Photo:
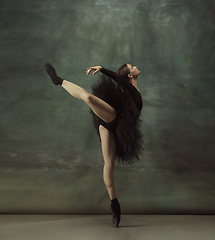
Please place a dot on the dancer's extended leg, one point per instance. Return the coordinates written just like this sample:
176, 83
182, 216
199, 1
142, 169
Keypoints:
99, 107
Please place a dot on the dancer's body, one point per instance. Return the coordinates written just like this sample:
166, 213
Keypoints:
108, 118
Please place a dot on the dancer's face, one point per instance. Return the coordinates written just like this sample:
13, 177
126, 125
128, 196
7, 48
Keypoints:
133, 70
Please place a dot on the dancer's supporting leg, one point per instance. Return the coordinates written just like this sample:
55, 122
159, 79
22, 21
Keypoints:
108, 151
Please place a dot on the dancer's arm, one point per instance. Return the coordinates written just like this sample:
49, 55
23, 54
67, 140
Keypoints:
108, 73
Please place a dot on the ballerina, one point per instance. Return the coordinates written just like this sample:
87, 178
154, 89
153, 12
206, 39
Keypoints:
115, 104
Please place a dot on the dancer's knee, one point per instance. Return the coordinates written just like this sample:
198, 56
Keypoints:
86, 96
109, 167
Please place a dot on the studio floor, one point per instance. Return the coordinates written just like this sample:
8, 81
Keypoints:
149, 227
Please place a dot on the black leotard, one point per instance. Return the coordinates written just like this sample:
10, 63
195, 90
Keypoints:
134, 92
127, 100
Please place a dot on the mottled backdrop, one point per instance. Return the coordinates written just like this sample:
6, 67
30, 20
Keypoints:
50, 156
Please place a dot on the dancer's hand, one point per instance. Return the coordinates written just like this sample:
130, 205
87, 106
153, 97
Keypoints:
95, 69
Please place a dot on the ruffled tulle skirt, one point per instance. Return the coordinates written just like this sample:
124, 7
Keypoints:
128, 136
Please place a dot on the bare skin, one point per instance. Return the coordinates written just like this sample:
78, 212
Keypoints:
108, 151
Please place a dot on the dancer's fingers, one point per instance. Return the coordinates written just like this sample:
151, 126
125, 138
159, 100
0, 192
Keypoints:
88, 71
96, 71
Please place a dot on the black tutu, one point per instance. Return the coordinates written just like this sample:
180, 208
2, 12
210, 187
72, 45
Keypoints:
128, 137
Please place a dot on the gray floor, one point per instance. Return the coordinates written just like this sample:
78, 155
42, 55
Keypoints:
63, 227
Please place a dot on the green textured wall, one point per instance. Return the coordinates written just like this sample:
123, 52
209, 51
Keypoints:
50, 156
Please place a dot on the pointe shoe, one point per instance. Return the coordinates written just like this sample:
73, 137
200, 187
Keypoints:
116, 215
52, 74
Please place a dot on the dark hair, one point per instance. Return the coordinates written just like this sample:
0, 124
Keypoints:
123, 72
